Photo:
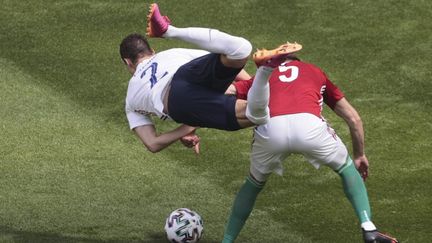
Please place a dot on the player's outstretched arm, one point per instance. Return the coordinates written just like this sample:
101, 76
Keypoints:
345, 110
156, 142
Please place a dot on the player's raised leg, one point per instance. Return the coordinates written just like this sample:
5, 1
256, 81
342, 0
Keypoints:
258, 96
273, 58
257, 110
157, 24
235, 50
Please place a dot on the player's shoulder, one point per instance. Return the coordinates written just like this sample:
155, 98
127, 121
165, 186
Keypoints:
309, 66
305, 64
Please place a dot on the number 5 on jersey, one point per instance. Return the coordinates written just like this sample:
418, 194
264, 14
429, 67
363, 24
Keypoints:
292, 77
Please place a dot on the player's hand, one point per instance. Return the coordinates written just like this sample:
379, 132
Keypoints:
362, 165
191, 141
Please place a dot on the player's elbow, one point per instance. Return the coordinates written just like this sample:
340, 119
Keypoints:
355, 120
153, 149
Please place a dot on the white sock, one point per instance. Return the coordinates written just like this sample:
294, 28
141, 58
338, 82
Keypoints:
212, 40
257, 110
368, 226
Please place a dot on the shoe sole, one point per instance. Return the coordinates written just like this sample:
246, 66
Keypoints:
393, 240
149, 30
263, 55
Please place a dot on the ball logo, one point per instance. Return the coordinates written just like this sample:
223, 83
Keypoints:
184, 225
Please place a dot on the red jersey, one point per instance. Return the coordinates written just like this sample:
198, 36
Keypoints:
296, 87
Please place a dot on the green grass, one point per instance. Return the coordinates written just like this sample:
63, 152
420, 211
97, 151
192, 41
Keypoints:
71, 171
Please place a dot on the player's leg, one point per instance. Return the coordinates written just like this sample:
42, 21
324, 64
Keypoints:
235, 50
356, 192
258, 96
197, 95
257, 110
326, 147
197, 91
242, 207
263, 163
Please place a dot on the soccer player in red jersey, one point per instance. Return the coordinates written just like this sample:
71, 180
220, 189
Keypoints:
298, 91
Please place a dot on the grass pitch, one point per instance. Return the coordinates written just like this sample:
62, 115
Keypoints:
70, 170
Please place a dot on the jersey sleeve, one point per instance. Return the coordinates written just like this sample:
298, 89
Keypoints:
136, 119
332, 94
242, 88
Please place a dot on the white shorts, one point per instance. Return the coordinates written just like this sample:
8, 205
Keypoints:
301, 133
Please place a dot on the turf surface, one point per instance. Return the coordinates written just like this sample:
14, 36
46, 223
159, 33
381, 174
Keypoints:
70, 170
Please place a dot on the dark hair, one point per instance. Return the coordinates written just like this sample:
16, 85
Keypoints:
134, 46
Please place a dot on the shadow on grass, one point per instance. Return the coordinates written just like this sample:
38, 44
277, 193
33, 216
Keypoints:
20, 236
161, 238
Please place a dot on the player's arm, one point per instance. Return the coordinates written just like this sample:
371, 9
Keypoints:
240, 88
156, 142
144, 128
345, 110
243, 76
336, 100
231, 90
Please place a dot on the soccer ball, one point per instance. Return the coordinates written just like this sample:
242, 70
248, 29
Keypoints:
184, 226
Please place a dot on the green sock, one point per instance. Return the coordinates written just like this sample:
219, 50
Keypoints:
355, 190
243, 205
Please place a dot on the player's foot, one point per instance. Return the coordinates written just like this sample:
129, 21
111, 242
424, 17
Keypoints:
273, 58
157, 24
375, 237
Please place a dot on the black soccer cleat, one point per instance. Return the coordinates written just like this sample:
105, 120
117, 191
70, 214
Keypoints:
375, 236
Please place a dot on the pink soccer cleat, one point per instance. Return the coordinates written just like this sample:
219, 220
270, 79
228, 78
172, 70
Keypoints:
273, 58
157, 24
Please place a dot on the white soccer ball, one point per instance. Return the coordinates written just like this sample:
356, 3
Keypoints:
184, 226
